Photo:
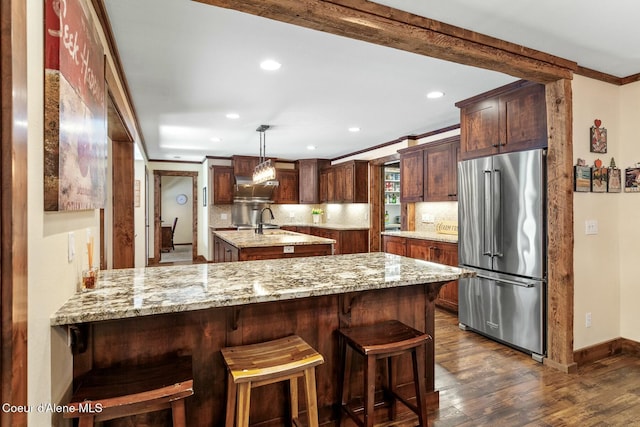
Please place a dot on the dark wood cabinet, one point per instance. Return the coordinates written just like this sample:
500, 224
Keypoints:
309, 171
224, 251
244, 165
346, 182
395, 245
429, 171
287, 191
347, 241
429, 250
510, 118
222, 184
411, 174
440, 171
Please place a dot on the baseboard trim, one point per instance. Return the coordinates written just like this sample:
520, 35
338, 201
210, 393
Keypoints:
606, 349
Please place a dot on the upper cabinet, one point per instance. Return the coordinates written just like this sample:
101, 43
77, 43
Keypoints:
510, 118
309, 179
287, 191
223, 181
244, 165
429, 171
346, 182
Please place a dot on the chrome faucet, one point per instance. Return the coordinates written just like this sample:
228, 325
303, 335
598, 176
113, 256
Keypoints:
260, 223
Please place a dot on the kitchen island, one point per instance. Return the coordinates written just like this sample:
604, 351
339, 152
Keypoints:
247, 245
140, 315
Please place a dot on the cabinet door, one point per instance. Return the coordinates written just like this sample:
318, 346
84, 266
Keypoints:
523, 119
309, 179
222, 185
324, 186
439, 173
411, 171
287, 191
244, 165
394, 245
331, 185
354, 241
480, 129
348, 183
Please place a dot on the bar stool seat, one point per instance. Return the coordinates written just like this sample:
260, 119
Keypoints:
255, 365
385, 340
108, 393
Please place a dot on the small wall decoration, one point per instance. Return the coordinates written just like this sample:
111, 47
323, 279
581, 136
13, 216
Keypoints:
599, 177
614, 184
598, 138
204, 197
632, 179
582, 177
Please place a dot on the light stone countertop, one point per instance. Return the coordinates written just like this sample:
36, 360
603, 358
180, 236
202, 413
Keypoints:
424, 235
128, 293
272, 237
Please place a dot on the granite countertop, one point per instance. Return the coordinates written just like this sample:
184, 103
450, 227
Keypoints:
135, 292
423, 235
250, 239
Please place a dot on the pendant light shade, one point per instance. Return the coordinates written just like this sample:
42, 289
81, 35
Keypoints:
264, 171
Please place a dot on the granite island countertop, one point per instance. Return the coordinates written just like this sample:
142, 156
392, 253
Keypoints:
135, 292
272, 237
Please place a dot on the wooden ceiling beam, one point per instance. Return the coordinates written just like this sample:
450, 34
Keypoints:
382, 25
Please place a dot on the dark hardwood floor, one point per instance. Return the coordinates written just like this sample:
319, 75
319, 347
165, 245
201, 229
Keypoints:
483, 383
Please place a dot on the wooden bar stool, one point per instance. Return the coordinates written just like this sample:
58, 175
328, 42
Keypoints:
255, 365
105, 394
385, 340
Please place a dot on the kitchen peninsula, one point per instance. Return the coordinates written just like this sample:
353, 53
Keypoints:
139, 315
247, 245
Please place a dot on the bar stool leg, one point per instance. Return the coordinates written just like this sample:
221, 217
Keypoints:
310, 393
293, 398
344, 393
421, 392
244, 399
391, 386
369, 390
232, 391
178, 414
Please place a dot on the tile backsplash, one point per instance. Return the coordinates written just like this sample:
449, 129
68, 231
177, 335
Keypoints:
435, 212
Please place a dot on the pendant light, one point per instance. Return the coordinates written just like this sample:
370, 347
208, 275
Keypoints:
264, 171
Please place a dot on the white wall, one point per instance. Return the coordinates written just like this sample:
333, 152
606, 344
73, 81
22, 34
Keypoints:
628, 212
172, 186
597, 258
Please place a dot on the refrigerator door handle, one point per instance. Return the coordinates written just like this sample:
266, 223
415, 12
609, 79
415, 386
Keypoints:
497, 212
508, 282
487, 214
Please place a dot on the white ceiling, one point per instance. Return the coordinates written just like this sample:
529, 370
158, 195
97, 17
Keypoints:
189, 64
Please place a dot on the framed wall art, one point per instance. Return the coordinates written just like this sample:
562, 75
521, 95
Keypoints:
598, 138
599, 179
614, 185
582, 179
632, 180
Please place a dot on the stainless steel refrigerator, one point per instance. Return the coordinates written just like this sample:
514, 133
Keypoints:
502, 236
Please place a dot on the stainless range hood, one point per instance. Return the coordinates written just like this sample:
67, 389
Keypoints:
246, 191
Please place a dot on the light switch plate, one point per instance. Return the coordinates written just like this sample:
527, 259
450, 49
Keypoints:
591, 226
223, 216
428, 218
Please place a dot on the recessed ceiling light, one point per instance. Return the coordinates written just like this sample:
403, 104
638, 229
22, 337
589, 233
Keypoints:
435, 94
311, 147
233, 116
270, 65
354, 129
215, 139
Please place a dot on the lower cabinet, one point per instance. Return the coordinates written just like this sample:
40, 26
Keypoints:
347, 241
429, 250
226, 252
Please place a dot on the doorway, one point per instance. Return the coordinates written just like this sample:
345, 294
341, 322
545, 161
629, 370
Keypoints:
176, 222
391, 196
187, 200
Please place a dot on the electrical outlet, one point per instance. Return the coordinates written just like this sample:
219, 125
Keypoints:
591, 226
428, 218
587, 320
223, 216
289, 249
